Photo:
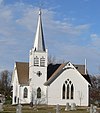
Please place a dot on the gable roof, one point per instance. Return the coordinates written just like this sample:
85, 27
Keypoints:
52, 70
23, 72
80, 68
55, 70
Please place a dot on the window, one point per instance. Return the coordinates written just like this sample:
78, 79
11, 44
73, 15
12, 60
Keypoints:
68, 90
63, 92
39, 92
25, 92
18, 100
36, 61
72, 91
76, 67
42, 61
15, 99
39, 73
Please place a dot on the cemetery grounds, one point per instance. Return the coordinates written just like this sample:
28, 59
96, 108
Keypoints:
42, 109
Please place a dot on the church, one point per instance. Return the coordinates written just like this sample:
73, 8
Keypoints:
38, 82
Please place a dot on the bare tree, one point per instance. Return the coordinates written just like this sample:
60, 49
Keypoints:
5, 79
37, 101
95, 89
54, 60
98, 82
51, 59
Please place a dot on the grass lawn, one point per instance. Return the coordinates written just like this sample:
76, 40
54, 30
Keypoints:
41, 109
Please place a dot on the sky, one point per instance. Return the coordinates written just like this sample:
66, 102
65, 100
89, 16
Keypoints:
71, 31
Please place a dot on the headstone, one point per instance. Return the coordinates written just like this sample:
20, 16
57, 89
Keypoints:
73, 106
57, 108
67, 108
88, 109
94, 109
1, 107
91, 108
19, 108
31, 104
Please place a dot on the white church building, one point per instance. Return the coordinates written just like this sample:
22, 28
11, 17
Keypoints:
51, 84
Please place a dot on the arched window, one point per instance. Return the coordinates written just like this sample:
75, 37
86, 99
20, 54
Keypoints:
42, 61
72, 91
25, 93
39, 92
15, 99
36, 61
68, 90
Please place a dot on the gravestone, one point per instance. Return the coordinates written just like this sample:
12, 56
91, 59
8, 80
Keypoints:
57, 108
19, 108
91, 108
31, 104
94, 109
73, 106
67, 108
1, 107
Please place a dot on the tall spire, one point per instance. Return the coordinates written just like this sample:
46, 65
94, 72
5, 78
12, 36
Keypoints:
39, 44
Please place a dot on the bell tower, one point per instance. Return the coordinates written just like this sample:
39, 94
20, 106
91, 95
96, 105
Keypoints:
38, 64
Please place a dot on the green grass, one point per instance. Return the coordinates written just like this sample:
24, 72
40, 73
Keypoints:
40, 109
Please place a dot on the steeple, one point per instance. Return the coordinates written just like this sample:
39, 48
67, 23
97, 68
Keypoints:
39, 44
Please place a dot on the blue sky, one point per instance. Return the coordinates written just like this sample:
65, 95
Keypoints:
71, 30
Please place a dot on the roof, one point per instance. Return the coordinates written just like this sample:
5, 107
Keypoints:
80, 68
23, 72
52, 70
55, 69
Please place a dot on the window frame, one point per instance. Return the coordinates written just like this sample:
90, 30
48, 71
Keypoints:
38, 92
42, 61
25, 93
68, 90
36, 61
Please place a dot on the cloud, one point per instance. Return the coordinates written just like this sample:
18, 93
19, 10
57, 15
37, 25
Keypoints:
65, 27
94, 36
1, 1
17, 30
95, 41
6, 22
75, 30
29, 20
